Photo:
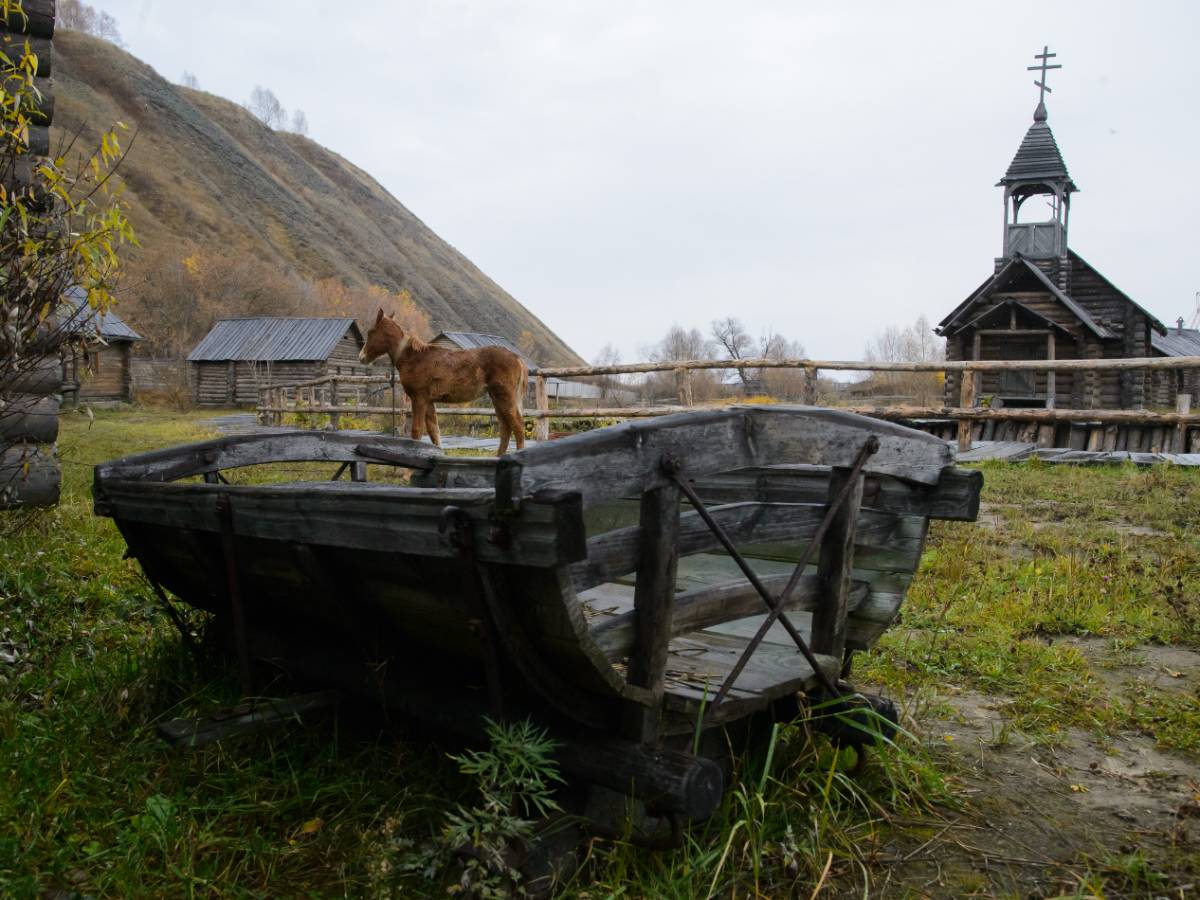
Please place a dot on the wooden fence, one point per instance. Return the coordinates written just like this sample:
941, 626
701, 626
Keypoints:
1093, 429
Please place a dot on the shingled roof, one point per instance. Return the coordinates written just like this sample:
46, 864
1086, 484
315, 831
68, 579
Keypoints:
1038, 158
80, 318
273, 339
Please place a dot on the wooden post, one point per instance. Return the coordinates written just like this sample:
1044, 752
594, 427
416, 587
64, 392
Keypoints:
1051, 399
653, 605
683, 386
834, 568
966, 399
810, 386
541, 400
1183, 406
335, 418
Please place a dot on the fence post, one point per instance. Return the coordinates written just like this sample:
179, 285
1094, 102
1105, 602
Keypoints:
810, 386
335, 419
966, 400
541, 401
683, 386
1183, 406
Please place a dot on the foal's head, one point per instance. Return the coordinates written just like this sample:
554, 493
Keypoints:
384, 336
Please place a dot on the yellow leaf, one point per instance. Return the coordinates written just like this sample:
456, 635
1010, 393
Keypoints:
312, 826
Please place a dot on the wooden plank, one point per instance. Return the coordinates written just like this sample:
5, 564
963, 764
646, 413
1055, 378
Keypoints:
966, 400
249, 718
367, 516
653, 605
616, 553
541, 400
257, 449
711, 605
955, 496
834, 568
1145, 363
625, 459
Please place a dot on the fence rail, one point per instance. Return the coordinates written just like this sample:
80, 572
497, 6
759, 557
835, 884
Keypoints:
322, 396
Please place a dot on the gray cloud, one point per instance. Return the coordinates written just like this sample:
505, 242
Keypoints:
823, 169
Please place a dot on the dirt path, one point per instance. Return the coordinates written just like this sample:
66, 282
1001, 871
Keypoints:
1040, 819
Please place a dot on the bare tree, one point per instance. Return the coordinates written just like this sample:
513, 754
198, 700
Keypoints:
265, 107
677, 345
299, 123
784, 384
916, 343
188, 80
79, 16
737, 344
608, 384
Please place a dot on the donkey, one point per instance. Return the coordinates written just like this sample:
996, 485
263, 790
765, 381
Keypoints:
432, 374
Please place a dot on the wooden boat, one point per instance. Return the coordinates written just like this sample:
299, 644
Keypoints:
575, 581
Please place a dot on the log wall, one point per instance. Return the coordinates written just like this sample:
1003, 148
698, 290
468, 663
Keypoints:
29, 469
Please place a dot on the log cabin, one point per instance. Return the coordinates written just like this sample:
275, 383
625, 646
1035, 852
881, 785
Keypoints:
97, 359
240, 356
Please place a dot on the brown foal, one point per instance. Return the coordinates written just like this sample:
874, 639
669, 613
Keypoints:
432, 374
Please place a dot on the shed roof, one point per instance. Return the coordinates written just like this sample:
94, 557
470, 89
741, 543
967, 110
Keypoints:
1177, 342
82, 319
273, 339
469, 340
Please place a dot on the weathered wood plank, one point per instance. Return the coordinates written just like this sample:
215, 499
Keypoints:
615, 553
256, 449
955, 496
708, 606
367, 516
835, 566
625, 459
653, 605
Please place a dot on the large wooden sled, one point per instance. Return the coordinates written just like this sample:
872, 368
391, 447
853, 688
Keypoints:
574, 581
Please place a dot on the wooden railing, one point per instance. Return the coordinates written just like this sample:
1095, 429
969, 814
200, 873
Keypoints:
322, 396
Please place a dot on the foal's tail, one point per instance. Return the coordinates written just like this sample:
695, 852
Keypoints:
522, 384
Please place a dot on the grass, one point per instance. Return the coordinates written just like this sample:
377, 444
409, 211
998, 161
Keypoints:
91, 802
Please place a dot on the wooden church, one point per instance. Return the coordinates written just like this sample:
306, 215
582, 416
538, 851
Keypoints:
1045, 301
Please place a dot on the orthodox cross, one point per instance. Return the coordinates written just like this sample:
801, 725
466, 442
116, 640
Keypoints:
1045, 56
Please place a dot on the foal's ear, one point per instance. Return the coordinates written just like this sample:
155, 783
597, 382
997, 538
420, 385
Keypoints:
379, 316
392, 315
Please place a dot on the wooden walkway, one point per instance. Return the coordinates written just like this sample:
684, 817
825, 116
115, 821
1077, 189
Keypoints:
1015, 451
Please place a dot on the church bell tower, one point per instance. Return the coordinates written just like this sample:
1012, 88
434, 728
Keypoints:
1037, 189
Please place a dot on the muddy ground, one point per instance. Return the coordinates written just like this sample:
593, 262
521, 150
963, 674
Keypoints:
1038, 817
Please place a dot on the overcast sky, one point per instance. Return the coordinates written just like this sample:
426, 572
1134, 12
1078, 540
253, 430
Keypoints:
823, 169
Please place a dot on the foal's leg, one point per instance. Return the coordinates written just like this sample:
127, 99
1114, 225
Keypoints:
503, 423
418, 416
431, 425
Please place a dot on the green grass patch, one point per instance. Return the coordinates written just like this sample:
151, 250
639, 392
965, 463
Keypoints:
92, 802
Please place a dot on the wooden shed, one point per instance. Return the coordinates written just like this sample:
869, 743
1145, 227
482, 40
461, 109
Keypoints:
97, 361
1165, 385
238, 357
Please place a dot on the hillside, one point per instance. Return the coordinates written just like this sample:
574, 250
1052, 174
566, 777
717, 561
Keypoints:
203, 169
